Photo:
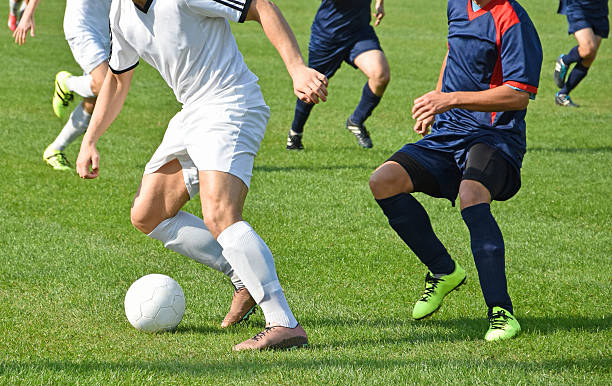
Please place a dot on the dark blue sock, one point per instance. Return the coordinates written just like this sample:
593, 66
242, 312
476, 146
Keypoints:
366, 105
577, 74
488, 249
302, 111
571, 57
410, 220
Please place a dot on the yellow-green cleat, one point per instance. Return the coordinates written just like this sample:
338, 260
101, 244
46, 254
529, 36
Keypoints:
56, 159
435, 291
62, 95
502, 325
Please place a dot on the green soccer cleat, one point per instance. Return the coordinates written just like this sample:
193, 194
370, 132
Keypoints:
62, 95
56, 159
435, 290
502, 325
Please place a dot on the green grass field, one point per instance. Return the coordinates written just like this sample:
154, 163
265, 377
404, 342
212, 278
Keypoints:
68, 252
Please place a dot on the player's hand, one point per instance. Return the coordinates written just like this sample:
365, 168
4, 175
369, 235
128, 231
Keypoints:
379, 14
21, 32
430, 104
422, 126
309, 85
88, 161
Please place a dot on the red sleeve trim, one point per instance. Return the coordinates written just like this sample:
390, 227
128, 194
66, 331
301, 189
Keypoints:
522, 86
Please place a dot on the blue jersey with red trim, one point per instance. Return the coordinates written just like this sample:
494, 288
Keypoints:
495, 46
341, 19
583, 8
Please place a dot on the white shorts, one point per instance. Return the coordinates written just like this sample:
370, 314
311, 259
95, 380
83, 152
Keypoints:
86, 27
221, 138
89, 51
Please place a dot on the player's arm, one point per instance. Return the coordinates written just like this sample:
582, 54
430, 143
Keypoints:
379, 7
309, 85
26, 23
110, 101
422, 126
502, 98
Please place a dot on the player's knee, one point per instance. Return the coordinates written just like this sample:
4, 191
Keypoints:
217, 218
142, 219
96, 85
382, 184
381, 77
473, 193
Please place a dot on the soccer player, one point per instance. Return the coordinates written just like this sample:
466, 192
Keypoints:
86, 30
86, 24
16, 8
341, 32
475, 149
211, 143
588, 22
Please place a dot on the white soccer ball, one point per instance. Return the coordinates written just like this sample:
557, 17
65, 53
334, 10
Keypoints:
155, 303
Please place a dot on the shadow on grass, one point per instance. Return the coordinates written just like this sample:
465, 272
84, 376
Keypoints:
314, 167
433, 330
250, 365
570, 150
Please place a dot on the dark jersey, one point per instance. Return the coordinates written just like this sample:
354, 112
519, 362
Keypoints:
496, 46
341, 19
583, 8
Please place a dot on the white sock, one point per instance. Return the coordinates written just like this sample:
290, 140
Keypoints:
188, 235
76, 125
251, 258
81, 85
15, 7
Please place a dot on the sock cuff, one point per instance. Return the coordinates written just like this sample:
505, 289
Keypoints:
161, 231
233, 233
580, 66
472, 212
369, 93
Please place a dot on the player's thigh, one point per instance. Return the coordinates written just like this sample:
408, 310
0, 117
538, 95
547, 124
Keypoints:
487, 176
374, 65
587, 40
161, 195
416, 169
390, 179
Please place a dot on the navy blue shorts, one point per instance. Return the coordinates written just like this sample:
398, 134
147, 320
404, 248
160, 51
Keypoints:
326, 56
598, 23
439, 173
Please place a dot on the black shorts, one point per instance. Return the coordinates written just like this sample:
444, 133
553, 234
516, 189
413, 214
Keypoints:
484, 164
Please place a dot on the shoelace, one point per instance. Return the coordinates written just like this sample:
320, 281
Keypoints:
263, 333
431, 283
498, 320
60, 158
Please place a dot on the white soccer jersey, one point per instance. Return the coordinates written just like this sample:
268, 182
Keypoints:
190, 43
86, 17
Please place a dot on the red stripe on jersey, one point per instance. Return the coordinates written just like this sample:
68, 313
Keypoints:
504, 17
522, 86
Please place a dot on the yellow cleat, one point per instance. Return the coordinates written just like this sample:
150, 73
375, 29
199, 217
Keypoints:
56, 159
62, 95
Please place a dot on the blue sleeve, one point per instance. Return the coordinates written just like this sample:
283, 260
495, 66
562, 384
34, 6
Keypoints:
521, 57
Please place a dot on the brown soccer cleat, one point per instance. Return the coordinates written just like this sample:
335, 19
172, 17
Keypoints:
243, 306
275, 337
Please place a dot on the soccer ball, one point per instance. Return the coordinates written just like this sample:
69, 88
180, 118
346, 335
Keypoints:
155, 303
